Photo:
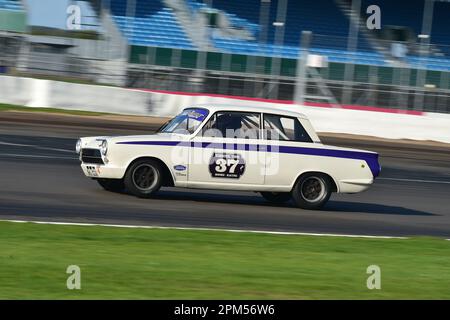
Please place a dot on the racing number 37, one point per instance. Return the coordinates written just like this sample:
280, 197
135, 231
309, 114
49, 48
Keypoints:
225, 165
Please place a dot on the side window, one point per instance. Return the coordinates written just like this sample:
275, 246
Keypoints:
210, 128
284, 129
244, 125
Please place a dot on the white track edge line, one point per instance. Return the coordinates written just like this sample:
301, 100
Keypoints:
34, 146
82, 224
16, 155
414, 180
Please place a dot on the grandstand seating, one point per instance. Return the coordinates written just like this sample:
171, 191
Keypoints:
235, 20
331, 22
151, 24
411, 16
12, 5
440, 30
325, 18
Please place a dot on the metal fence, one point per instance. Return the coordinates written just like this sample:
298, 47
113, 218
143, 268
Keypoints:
317, 90
393, 85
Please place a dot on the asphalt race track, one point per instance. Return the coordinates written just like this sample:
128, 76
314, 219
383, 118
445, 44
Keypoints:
41, 180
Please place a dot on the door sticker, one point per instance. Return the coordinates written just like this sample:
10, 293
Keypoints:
226, 165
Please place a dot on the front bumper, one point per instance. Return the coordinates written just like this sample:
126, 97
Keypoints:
102, 171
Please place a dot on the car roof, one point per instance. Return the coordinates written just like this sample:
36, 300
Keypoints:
279, 110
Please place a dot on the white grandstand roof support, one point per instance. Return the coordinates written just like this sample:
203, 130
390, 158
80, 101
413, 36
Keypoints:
352, 45
427, 23
278, 41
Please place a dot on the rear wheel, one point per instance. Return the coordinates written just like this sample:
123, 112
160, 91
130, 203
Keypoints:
115, 185
276, 197
312, 191
144, 178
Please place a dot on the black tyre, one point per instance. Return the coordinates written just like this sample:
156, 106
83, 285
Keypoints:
312, 191
144, 178
115, 185
276, 197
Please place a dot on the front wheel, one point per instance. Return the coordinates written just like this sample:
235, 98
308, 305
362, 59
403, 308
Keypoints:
276, 197
312, 191
143, 178
115, 185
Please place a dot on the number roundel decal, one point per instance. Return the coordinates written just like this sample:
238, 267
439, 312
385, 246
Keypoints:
225, 165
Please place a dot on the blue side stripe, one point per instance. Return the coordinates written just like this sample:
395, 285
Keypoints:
370, 158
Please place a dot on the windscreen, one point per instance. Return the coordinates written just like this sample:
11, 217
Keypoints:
186, 122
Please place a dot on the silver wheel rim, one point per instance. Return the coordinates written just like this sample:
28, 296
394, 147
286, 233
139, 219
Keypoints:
312, 189
145, 177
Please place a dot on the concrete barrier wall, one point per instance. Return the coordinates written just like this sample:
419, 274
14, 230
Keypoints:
45, 93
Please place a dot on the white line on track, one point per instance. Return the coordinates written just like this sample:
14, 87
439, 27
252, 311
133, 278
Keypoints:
205, 229
14, 155
415, 180
34, 146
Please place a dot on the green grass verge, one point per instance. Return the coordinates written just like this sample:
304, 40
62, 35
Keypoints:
11, 107
180, 264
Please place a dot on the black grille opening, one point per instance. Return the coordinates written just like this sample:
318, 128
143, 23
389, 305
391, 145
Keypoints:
91, 156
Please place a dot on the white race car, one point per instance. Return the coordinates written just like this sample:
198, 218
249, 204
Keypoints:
269, 150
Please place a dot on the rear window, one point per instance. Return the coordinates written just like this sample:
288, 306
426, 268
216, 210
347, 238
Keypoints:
284, 129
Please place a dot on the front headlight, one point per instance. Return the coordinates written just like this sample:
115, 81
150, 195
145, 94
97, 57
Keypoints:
104, 147
78, 146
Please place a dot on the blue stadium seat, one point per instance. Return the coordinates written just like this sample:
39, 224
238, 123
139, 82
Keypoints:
13, 5
321, 17
330, 28
150, 24
154, 24
411, 16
